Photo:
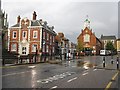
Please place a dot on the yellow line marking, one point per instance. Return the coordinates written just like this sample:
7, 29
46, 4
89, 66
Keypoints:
113, 78
110, 83
108, 86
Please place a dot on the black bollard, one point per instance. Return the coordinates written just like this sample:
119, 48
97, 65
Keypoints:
117, 62
111, 59
3, 62
103, 62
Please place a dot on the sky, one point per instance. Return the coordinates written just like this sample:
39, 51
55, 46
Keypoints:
68, 16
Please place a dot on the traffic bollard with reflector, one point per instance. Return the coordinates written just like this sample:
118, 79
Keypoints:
103, 62
117, 62
111, 59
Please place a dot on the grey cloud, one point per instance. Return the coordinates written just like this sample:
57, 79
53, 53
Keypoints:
69, 17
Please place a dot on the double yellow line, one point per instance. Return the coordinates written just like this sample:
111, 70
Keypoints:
113, 78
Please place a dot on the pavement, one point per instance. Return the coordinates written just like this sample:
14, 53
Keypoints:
66, 75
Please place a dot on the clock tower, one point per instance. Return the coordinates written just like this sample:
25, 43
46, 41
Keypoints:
87, 23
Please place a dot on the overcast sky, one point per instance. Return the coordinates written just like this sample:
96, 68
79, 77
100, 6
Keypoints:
68, 16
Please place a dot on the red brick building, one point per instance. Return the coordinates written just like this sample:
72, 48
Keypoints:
87, 40
29, 37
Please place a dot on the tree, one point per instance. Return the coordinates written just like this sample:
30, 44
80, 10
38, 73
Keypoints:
109, 46
79, 46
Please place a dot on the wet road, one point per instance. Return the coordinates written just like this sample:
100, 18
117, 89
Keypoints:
67, 75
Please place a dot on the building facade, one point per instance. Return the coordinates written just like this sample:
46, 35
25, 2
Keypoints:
65, 45
118, 45
30, 37
106, 39
87, 40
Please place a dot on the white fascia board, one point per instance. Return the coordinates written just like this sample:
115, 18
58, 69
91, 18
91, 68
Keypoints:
14, 27
34, 26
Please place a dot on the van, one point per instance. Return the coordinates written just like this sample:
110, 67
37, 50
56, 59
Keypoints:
105, 52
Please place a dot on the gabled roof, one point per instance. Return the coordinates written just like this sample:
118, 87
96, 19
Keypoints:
38, 23
108, 37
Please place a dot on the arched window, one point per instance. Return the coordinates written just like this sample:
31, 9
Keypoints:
86, 38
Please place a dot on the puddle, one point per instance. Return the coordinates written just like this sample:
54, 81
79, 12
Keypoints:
85, 64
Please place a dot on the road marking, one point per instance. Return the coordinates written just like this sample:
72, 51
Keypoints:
108, 86
14, 73
9, 74
72, 79
56, 77
54, 87
110, 83
13, 66
113, 78
8, 66
85, 73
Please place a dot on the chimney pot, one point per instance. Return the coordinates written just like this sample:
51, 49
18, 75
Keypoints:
40, 19
34, 15
18, 19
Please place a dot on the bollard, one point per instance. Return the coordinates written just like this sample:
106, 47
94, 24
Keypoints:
103, 62
111, 59
117, 62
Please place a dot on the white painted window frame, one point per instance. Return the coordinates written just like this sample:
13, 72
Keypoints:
13, 34
34, 34
43, 34
47, 48
23, 34
34, 49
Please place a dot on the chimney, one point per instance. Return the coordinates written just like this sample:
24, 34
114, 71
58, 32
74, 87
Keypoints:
18, 19
52, 27
34, 15
40, 19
